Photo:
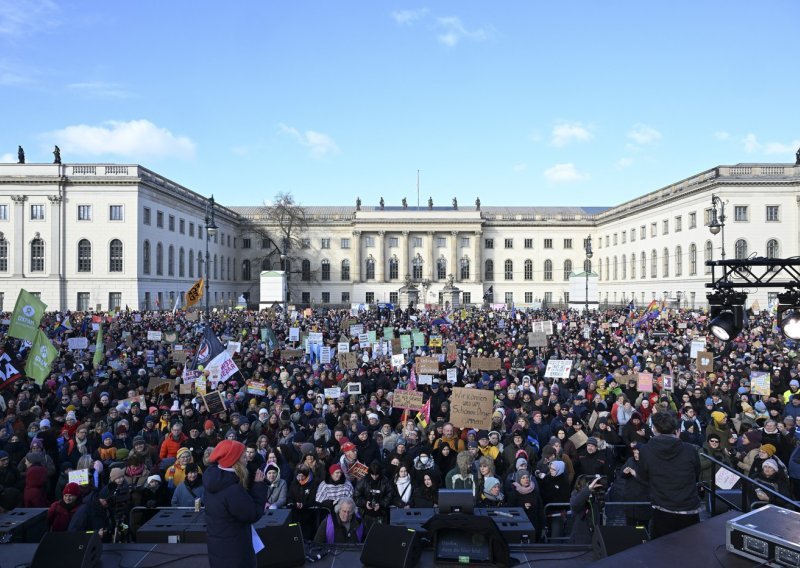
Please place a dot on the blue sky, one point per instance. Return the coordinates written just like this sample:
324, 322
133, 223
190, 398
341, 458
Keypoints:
520, 103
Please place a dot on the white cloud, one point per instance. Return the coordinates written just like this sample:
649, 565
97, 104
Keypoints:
643, 134
319, 144
133, 139
566, 133
453, 31
751, 143
8, 159
19, 18
722, 135
101, 89
564, 173
623, 163
781, 148
520, 167
408, 17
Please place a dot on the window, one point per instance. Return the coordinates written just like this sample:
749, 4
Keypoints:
692, 259
464, 268
369, 297
84, 256
693, 220
394, 297
653, 229
160, 219
548, 270
528, 297
344, 243
345, 269
678, 224
642, 232
416, 241
345, 297
325, 270
678, 261
489, 270
246, 270
633, 235
171, 261
773, 249
623, 260
325, 243
665, 263
114, 301
509, 269
159, 259
488, 243
146, 257
305, 243
708, 255
37, 255
115, 256
326, 297
633, 266
306, 297
181, 263
441, 269
624, 237
614, 239
509, 297
508, 243
740, 213
528, 243
182, 226
707, 215
83, 301
548, 298
548, 243
773, 213
146, 216
393, 268
191, 263
643, 266
615, 265
172, 223
416, 267
653, 263
528, 269
3, 256
567, 269
465, 242
607, 240
85, 213
37, 212
199, 231
191, 229
441, 242
115, 213
222, 267
466, 298
246, 243
665, 227
740, 249
568, 242
370, 269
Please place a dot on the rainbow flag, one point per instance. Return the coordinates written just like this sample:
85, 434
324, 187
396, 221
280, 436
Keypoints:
652, 311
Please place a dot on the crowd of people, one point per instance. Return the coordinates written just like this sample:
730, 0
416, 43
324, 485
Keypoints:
90, 443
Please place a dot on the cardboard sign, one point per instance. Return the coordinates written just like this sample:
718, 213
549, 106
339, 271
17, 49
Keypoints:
667, 383
537, 339
485, 363
347, 360
579, 438
358, 470
760, 383
452, 375
76, 343
193, 316
451, 352
79, 476
409, 400
396, 345
333, 392
705, 361
471, 408
354, 388
558, 368
287, 354
593, 420
185, 388
427, 365
725, 479
160, 386
179, 356
644, 382
153, 335
170, 337
213, 402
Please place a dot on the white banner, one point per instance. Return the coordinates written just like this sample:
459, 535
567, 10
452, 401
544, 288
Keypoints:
153, 335
558, 368
75, 343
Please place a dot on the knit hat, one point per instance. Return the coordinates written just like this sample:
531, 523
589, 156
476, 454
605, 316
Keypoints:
227, 453
334, 468
522, 463
154, 477
709, 401
3, 455
138, 440
182, 452
770, 463
714, 437
35, 458
719, 417
44, 423
123, 453
592, 442
489, 483
107, 436
272, 467
192, 467
116, 474
548, 451
768, 449
72, 489
308, 407
794, 383
348, 446
472, 444
520, 474
307, 449
208, 425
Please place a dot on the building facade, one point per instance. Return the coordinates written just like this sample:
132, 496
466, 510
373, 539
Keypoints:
101, 236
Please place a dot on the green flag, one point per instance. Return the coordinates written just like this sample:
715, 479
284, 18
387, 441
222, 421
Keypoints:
40, 357
28, 312
99, 350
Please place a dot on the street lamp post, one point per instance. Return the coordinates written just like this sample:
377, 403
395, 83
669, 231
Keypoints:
717, 222
285, 293
589, 254
211, 231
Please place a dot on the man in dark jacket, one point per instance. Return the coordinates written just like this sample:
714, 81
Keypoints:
672, 468
374, 495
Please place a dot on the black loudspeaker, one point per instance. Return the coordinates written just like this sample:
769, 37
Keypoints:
391, 547
78, 550
283, 547
610, 540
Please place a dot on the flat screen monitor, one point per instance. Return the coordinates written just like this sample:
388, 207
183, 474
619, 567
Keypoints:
456, 501
462, 547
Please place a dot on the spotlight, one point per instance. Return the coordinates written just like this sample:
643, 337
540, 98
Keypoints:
789, 313
727, 313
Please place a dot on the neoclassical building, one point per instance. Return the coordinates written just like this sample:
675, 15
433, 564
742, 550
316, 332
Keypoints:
84, 236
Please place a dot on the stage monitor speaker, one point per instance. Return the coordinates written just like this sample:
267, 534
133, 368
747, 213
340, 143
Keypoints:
610, 540
78, 550
388, 546
283, 547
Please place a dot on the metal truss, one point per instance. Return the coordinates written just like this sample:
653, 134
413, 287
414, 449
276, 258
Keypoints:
757, 272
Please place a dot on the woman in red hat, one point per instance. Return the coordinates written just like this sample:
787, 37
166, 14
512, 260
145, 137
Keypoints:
232, 507
60, 512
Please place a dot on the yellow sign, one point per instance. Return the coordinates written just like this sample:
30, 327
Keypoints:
194, 294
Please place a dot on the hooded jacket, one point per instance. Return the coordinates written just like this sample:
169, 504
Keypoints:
672, 468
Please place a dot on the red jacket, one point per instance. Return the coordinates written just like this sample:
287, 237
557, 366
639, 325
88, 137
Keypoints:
35, 495
58, 516
170, 446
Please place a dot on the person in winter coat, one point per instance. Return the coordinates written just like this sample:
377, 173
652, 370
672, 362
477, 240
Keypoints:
427, 494
60, 512
302, 500
277, 489
713, 448
35, 493
492, 495
635, 489
584, 516
374, 495
555, 489
462, 476
334, 488
176, 473
190, 490
343, 526
423, 463
772, 476
231, 507
525, 494
402, 488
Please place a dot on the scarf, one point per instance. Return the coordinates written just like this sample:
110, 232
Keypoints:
523, 490
403, 488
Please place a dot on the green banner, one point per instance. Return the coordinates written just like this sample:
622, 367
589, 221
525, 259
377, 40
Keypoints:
99, 349
28, 311
405, 341
388, 333
419, 338
40, 357
373, 336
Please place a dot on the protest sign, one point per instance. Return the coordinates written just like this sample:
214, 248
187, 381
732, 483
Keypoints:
644, 382
471, 408
214, 402
485, 363
75, 343
343, 347
396, 346
179, 356
419, 339
407, 399
356, 330
294, 334
425, 380
705, 361
725, 479
79, 476
558, 368
348, 360
451, 351
545, 327
537, 339
291, 354
354, 388
333, 392
363, 340
315, 337
696, 346
325, 355
666, 383
427, 365
160, 386
153, 335
233, 347
184, 388
398, 360
372, 336
405, 341
435, 341
452, 375
760, 383
257, 388
388, 332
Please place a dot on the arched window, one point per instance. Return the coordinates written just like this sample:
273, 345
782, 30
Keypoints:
548, 270
146, 257
394, 268
369, 273
643, 265
740, 249
246, 270
441, 268
115, 259
84, 255
181, 263
708, 253
624, 262
567, 269
599, 269
3, 255
529, 269
678, 261
633, 266
653, 264
159, 259
200, 261
509, 269
345, 269
616, 273
692, 259
231, 273
488, 273
216, 270
773, 249
325, 270
221, 267
665, 263
305, 270
416, 267
266, 264
171, 261
608, 268
191, 263
464, 268
37, 255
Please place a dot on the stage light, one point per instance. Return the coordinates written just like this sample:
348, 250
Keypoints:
727, 314
789, 313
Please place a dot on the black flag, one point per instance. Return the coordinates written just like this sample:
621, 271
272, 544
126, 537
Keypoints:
9, 368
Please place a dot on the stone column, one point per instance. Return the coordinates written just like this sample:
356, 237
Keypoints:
429, 260
356, 256
453, 265
477, 275
380, 258
403, 267
19, 234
